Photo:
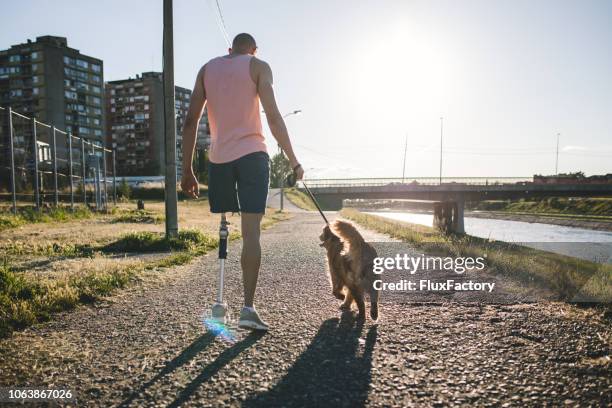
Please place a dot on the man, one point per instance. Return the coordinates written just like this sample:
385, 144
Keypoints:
231, 87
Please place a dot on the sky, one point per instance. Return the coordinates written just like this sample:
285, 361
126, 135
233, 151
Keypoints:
374, 77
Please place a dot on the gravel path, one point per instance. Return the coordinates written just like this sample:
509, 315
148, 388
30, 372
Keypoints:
146, 346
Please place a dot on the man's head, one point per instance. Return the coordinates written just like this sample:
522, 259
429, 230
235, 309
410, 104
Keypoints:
243, 44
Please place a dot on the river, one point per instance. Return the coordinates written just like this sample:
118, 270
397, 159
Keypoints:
581, 243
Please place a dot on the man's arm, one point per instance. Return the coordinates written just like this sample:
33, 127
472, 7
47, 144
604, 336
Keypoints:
189, 183
273, 115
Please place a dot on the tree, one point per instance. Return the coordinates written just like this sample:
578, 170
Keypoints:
124, 190
279, 169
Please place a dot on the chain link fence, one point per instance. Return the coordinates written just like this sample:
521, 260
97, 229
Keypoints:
43, 166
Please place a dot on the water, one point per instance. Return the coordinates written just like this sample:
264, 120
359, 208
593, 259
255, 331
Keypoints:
582, 243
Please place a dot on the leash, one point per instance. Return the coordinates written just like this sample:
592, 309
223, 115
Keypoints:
291, 180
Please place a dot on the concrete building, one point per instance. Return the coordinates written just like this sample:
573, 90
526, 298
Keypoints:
56, 84
135, 125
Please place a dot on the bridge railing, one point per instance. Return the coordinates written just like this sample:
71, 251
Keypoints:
426, 181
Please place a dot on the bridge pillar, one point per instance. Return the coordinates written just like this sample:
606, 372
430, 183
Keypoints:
443, 216
449, 215
458, 216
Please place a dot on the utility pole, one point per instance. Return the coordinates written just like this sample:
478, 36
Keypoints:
171, 198
404, 165
557, 160
441, 135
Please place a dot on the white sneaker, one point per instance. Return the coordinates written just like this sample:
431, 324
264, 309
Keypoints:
249, 319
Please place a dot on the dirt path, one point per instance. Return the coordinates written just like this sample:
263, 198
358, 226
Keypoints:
147, 347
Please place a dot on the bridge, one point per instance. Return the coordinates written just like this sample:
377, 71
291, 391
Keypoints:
449, 194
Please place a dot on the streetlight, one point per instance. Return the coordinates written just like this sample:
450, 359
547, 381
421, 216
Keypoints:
441, 134
295, 112
557, 159
280, 150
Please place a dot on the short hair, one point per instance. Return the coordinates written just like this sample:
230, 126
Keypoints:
243, 41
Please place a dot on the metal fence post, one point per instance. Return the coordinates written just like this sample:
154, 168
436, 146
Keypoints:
36, 184
12, 147
114, 179
69, 136
104, 174
56, 196
83, 171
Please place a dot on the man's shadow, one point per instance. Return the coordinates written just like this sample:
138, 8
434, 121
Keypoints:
198, 346
335, 369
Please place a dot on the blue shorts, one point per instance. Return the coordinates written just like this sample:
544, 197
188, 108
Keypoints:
240, 185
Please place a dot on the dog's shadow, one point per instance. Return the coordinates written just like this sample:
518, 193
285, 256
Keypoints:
335, 369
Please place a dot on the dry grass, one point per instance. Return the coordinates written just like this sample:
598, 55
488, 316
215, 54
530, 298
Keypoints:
54, 265
566, 277
300, 199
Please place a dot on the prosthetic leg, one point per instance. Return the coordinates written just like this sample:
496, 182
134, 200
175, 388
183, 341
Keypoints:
219, 309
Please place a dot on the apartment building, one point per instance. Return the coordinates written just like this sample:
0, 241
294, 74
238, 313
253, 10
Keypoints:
56, 84
135, 125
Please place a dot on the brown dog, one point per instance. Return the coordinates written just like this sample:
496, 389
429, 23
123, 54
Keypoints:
351, 262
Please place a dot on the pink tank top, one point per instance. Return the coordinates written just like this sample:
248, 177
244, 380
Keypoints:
233, 109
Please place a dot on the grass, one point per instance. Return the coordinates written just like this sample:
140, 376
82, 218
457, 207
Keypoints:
139, 217
28, 297
552, 206
29, 215
565, 276
300, 199
24, 301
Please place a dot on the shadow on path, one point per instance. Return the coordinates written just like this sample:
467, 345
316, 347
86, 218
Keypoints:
186, 355
335, 369
214, 367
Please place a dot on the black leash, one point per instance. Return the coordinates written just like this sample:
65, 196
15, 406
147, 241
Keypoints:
291, 180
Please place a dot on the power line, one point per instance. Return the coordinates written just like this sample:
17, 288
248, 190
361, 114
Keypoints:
220, 21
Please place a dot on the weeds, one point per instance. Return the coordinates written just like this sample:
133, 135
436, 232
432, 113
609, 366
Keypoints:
24, 301
300, 199
28, 215
139, 217
568, 278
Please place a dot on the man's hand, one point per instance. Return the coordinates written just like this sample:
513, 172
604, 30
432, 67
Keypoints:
189, 184
299, 173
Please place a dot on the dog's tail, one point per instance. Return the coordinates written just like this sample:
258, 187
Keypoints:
347, 232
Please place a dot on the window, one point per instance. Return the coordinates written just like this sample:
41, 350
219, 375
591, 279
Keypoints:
112, 93
34, 55
94, 78
95, 67
14, 58
16, 92
70, 94
69, 118
82, 85
96, 100
35, 91
82, 64
83, 130
97, 132
97, 111
35, 79
95, 89
96, 121
68, 61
